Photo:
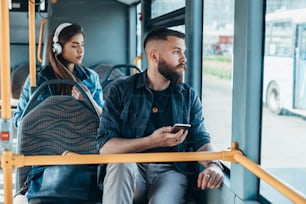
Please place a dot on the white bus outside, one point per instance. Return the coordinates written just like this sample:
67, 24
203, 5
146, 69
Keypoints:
284, 87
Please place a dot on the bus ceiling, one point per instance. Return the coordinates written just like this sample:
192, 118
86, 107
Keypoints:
41, 5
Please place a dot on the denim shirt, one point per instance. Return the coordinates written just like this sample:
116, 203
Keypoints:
127, 110
88, 77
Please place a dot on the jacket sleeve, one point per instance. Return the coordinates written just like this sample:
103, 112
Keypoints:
198, 132
97, 92
110, 121
22, 102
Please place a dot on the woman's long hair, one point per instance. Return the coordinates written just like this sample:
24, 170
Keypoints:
57, 62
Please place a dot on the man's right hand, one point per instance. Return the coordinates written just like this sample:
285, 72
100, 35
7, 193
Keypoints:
163, 137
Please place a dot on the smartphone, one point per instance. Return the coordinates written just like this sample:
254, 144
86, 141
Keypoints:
179, 126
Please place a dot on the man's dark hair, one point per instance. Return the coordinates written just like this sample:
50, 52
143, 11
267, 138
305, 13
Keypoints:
162, 34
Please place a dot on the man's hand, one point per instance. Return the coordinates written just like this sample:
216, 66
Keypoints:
211, 177
163, 137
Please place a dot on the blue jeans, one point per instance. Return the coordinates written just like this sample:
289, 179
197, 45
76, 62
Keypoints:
150, 183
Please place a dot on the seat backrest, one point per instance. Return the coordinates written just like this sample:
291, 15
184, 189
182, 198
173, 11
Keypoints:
19, 76
103, 70
57, 124
113, 73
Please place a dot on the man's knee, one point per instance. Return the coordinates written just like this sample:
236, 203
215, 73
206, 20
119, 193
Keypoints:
120, 179
121, 169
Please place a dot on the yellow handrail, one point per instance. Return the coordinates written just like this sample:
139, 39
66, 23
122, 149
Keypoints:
7, 167
136, 59
260, 173
5, 61
41, 32
8, 160
31, 8
135, 62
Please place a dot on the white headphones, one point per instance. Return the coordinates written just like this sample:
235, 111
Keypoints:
57, 47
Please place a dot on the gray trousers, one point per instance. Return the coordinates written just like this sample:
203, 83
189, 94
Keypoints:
150, 183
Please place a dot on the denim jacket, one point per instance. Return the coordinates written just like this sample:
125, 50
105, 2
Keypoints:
88, 77
127, 110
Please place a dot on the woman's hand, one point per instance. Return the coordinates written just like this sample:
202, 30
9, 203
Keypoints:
75, 92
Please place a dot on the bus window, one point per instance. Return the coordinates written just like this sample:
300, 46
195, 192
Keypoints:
278, 63
217, 68
161, 7
283, 134
279, 39
180, 28
300, 72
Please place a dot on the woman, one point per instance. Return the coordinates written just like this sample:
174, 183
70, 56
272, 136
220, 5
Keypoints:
65, 53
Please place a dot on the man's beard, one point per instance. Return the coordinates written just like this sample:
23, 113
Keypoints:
170, 73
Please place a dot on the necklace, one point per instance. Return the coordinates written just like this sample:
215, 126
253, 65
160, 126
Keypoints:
155, 109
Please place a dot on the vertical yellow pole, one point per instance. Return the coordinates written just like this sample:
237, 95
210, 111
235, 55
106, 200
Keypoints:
7, 166
32, 57
5, 65
5, 69
41, 31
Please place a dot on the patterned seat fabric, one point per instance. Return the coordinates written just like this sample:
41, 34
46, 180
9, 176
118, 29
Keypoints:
59, 123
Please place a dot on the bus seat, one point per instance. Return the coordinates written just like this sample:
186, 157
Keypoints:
59, 123
103, 69
113, 73
19, 75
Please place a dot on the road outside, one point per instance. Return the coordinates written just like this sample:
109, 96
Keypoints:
283, 137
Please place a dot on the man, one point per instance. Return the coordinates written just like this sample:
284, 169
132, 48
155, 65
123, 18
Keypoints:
138, 117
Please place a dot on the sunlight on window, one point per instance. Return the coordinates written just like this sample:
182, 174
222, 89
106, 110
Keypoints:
217, 70
284, 97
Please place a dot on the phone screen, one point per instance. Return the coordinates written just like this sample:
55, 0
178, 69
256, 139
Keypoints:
179, 126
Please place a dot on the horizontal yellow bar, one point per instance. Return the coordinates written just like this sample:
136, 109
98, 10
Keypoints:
21, 160
275, 183
8, 159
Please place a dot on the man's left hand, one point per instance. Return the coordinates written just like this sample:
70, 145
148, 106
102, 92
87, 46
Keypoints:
211, 177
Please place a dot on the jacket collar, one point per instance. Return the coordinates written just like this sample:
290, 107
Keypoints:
143, 81
81, 73
48, 73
